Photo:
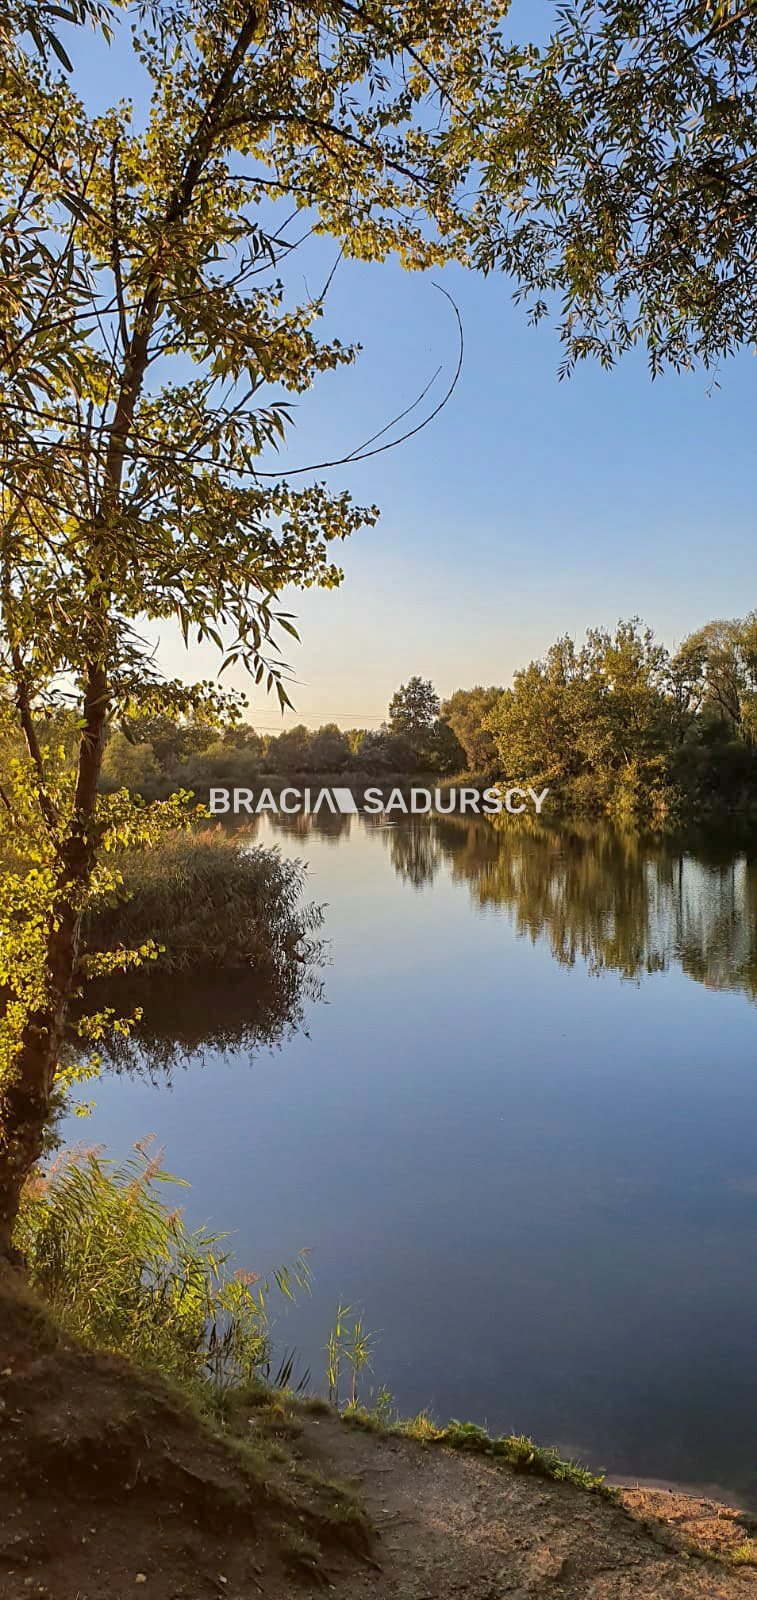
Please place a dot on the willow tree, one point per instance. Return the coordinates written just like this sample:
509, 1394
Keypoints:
149, 339
42, 20
620, 190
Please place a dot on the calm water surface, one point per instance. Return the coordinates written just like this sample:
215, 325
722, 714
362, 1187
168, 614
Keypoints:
519, 1133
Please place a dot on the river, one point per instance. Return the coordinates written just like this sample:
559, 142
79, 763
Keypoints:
517, 1130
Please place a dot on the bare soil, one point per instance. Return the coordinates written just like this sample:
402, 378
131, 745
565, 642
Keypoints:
452, 1525
111, 1485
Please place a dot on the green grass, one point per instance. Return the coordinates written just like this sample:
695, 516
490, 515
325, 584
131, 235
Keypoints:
513, 1450
523, 1455
349, 1351
745, 1555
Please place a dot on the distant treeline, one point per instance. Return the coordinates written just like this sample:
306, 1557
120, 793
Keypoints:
616, 725
157, 754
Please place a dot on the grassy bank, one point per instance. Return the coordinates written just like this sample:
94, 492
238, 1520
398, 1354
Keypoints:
121, 1271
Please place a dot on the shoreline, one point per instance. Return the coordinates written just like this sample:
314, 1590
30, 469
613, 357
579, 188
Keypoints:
714, 1493
265, 1494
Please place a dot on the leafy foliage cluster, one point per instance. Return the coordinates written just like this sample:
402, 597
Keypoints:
154, 334
620, 725
620, 178
156, 755
28, 893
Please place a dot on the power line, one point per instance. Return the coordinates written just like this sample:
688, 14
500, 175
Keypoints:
359, 716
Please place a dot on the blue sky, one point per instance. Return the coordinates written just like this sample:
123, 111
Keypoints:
528, 508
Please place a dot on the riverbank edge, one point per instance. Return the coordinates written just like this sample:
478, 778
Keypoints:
562, 806
702, 1520
111, 1476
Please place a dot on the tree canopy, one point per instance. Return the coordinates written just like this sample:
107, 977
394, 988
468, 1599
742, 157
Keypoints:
620, 178
621, 725
467, 712
41, 20
154, 332
414, 708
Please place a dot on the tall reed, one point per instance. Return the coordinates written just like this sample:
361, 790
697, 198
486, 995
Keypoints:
122, 1271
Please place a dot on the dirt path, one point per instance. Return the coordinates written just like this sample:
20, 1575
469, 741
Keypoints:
453, 1526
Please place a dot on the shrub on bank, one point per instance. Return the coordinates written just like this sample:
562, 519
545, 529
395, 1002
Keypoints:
121, 1271
210, 898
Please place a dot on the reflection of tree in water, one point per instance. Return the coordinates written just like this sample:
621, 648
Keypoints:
717, 928
415, 850
590, 896
193, 1015
324, 824
618, 901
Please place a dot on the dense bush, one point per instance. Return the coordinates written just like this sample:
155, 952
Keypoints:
209, 897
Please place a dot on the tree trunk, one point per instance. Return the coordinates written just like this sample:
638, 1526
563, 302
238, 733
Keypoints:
25, 1100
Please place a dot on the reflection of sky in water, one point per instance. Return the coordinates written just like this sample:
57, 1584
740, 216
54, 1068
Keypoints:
540, 1186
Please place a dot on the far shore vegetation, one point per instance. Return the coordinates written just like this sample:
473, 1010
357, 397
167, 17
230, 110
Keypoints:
616, 726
